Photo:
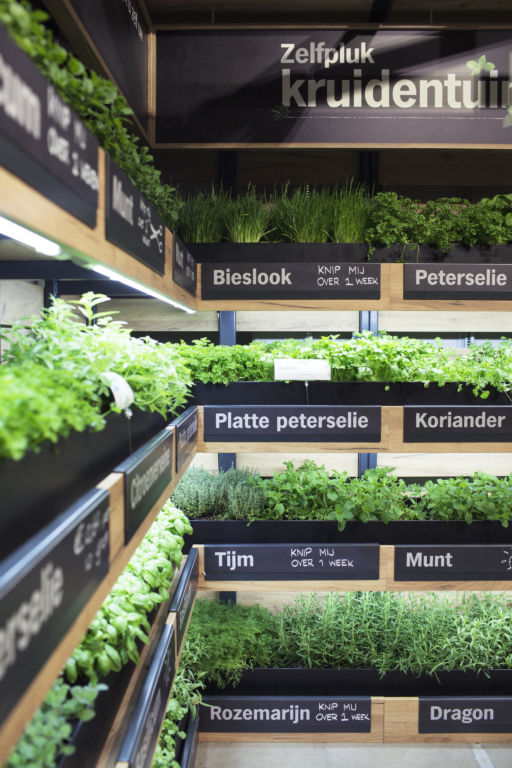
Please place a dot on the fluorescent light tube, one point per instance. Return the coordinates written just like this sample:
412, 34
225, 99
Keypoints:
25, 236
139, 287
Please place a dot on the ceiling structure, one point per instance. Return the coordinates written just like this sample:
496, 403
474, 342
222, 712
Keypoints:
408, 12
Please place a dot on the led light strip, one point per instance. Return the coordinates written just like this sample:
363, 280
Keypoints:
110, 273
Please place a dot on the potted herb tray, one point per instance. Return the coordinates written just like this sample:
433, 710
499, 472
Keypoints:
298, 681
346, 252
396, 532
338, 393
41, 485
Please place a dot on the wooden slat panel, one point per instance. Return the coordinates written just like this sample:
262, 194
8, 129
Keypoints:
318, 168
154, 315
469, 168
448, 464
324, 322
270, 464
445, 321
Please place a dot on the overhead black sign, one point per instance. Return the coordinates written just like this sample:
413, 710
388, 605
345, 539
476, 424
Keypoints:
44, 586
457, 562
183, 599
186, 436
480, 282
144, 727
147, 473
295, 562
119, 32
287, 423
184, 267
465, 714
42, 140
457, 424
130, 222
333, 87
286, 714
303, 280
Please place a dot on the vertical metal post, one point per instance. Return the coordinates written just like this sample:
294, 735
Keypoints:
227, 336
368, 321
51, 290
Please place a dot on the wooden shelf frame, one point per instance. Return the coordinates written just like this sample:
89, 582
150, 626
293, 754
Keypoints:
392, 430
391, 299
385, 583
394, 721
29, 208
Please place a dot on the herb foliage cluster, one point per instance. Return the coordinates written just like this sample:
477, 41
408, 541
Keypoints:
364, 357
53, 379
310, 492
347, 214
420, 634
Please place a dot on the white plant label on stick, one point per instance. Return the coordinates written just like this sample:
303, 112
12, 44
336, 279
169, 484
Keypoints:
290, 369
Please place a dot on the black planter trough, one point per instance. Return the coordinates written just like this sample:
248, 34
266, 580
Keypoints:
346, 252
291, 681
420, 532
341, 393
43, 484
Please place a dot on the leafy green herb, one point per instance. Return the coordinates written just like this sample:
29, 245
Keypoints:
53, 379
420, 633
95, 99
234, 494
111, 639
47, 736
185, 698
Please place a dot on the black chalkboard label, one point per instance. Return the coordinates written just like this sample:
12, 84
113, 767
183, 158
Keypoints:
183, 599
296, 562
42, 141
286, 714
144, 727
465, 714
457, 562
146, 475
288, 423
130, 222
479, 282
457, 424
186, 436
303, 280
184, 267
44, 586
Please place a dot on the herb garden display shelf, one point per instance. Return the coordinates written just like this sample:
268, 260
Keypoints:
62, 567
329, 705
351, 276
